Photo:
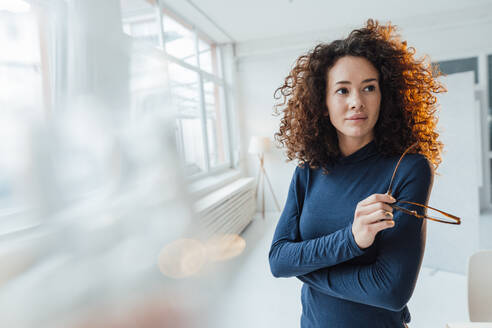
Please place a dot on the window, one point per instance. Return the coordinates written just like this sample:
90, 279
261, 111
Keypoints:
208, 56
185, 90
195, 82
139, 21
179, 40
20, 64
21, 103
215, 116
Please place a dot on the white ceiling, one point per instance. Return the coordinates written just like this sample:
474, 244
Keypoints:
243, 21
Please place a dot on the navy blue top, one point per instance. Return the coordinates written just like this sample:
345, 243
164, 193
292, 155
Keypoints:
345, 286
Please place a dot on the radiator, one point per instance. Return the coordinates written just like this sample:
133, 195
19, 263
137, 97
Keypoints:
228, 210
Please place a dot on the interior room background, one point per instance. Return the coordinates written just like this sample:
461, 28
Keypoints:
99, 98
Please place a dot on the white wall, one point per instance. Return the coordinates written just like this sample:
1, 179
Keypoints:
262, 65
258, 80
456, 182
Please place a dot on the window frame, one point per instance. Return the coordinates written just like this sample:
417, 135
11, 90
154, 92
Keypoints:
162, 11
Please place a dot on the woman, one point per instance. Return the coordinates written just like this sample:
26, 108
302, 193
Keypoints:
350, 109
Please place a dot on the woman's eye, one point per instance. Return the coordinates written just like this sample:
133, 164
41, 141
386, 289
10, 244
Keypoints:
370, 88
342, 91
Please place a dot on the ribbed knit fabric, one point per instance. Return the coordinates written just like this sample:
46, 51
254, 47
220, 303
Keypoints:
345, 286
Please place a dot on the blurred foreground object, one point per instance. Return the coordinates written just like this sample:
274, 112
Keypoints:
96, 226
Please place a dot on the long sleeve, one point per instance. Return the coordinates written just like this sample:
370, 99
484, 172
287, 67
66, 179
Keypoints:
289, 256
390, 280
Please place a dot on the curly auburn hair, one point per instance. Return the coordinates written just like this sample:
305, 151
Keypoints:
408, 102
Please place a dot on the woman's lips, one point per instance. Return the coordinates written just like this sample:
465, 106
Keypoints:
357, 119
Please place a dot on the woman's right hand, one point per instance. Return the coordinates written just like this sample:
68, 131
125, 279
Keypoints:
372, 215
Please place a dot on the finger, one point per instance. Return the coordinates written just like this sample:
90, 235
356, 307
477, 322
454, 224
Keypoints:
383, 225
368, 209
377, 198
376, 217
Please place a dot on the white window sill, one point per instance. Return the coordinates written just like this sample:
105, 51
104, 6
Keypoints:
206, 185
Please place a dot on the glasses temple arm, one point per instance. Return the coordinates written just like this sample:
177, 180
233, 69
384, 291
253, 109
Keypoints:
390, 190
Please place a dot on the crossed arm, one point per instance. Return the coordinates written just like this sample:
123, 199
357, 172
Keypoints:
289, 256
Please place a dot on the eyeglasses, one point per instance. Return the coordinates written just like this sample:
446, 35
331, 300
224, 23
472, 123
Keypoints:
430, 212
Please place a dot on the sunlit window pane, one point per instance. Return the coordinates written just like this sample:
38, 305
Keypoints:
148, 84
21, 102
184, 85
141, 21
20, 65
19, 37
179, 40
197, 140
208, 56
216, 124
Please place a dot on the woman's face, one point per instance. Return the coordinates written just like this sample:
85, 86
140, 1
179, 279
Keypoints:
353, 99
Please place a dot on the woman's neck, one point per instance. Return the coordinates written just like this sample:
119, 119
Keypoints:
348, 146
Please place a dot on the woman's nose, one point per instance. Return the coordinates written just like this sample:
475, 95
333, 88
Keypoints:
355, 101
